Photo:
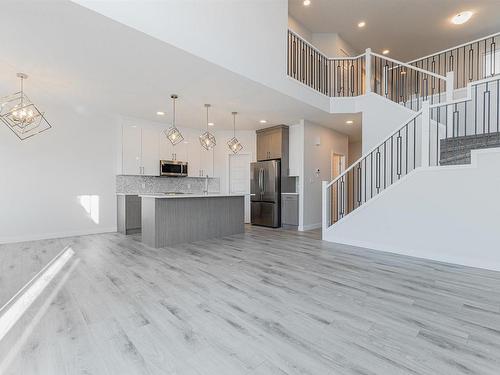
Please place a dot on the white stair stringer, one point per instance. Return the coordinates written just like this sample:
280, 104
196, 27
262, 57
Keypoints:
447, 214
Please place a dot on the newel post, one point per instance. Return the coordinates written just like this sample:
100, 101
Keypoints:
325, 208
426, 128
368, 71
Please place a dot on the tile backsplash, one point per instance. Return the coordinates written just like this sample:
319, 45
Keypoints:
149, 184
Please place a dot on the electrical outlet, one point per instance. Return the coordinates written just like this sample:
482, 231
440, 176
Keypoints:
189, 186
143, 185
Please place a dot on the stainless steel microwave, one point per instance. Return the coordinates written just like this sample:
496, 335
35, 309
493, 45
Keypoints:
173, 168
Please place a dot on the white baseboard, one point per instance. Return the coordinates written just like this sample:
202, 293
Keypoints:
309, 227
48, 236
472, 261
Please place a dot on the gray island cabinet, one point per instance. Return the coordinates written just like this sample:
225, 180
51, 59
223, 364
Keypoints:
173, 219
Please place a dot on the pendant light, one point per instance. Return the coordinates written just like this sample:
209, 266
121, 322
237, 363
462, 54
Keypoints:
173, 134
21, 115
207, 139
233, 144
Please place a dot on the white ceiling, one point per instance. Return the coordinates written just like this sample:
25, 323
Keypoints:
408, 28
91, 62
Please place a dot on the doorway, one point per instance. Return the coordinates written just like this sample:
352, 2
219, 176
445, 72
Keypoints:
239, 178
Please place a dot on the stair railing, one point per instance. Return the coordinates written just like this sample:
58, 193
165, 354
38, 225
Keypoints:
476, 114
469, 62
375, 171
406, 84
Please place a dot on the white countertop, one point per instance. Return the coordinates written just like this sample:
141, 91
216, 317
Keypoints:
209, 195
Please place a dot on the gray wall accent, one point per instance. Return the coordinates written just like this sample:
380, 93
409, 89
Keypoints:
457, 150
128, 213
150, 184
168, 222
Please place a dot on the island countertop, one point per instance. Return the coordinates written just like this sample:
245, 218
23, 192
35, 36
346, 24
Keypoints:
188, 195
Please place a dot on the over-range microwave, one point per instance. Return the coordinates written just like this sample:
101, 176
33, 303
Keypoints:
173, 168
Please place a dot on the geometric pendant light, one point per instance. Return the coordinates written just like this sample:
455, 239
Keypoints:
173, 134
207, 139
233, 144
21, 115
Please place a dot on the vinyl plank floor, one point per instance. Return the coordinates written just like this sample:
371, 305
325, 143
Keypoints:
264, 302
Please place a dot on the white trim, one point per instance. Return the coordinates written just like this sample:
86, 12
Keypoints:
452, 48
48, 236
309, 227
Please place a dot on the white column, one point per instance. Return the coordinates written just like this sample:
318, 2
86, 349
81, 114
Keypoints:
368, 70
426, 124
325, 208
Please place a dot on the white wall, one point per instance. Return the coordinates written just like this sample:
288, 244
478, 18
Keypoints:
332, 45
317, 157
245, 37
355, 152
380, 117
299, 28
448, 214
44, 177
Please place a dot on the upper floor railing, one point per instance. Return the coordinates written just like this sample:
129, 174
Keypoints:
337, 77
353, 76
431, 78
469, 62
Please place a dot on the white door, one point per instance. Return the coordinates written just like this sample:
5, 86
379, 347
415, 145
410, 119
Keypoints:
150, 151
131, 149
239, 178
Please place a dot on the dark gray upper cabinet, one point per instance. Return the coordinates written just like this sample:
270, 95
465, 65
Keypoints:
272, 143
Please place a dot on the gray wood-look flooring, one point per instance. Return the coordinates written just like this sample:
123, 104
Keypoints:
264, 302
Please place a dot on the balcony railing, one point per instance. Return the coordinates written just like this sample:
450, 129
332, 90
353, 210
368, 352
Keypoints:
335, 77
353, 76
469, 62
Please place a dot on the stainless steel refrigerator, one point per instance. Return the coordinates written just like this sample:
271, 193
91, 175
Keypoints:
265, 189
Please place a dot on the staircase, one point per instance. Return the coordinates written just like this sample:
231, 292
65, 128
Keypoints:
439, 134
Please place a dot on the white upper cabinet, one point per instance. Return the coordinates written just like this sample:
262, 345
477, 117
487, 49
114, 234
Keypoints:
131, 147
140, 150
150, 151
144, 146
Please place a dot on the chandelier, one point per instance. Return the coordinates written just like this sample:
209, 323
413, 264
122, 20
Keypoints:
173, 134
233, 144
21, 115
207, 139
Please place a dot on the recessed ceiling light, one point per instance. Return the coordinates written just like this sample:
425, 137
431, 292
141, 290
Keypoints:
462, 17
211, 124
349, 122
362, 24
385, 52
263, 121
307, 3
160, 113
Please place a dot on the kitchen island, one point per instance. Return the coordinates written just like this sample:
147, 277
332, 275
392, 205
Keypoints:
169, 219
